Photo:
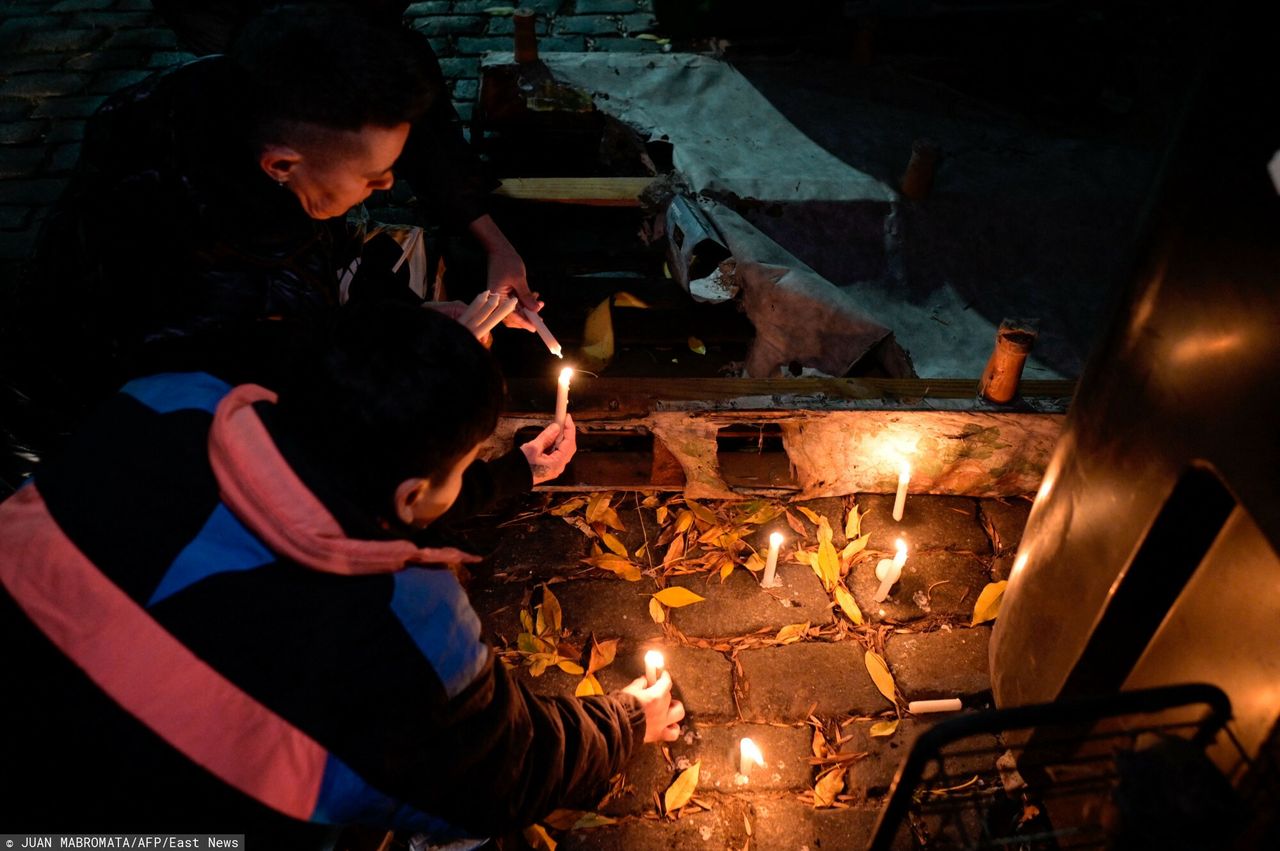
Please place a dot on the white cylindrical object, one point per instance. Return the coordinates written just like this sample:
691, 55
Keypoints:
918, 707
771, 562
748, 755
901, 558
562, 395
543, 331
900, 501
653, 665
501, 311
888, 572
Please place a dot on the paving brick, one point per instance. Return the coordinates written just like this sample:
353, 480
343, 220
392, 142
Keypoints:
14, 218
1007, 518
529, 552
34, 192
431, 7
792, 824
109, 82
933, 582
64, 157
14, 109
585, 25
707, 829
17, 245
786, 757
601, 7
782, 683
28, 23
460, 66
20, 132
135, 5
506, 25
149, 38
638, 23
65, 131
562, 44
928, 522
945, 663
464, 111
43, 84
23, 63
77, 106
465, 90
166, 58
625, 45
451, 24
81, 5
112, 20
611, 608
473, 45
53, 41
475, 7
701, 679
739, 606
20, 162
869, 778
543, 7
107, 60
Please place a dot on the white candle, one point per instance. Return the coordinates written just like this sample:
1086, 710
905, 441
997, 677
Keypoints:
748, 755
917, 707
501, 310
901, 558
900, 501
562, 395
653, 665
889, 571
543, 331
771, 579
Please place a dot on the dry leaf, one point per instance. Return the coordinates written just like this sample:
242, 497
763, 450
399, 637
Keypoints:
602, 654
679, 792
675, 597
581, 525
855, 546
697, 346
612, 542
570, 667
549, 616
588, 686
820, 747
569, 506
827, 563
755, 564
661, 515
988, 606
683, 521
622, 567
675, 552
847, 604
885, 728
814, 517
828, 786
576, 820
853, 523
880, 675
792, 633
538, 838
704, 514
597, 338
656, 611
726, 568
796, 525
625, 299
596, 505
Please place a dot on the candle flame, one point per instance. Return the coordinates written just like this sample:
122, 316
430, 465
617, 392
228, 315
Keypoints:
775, 540
654, 659
566, 375
902, 547
751, 751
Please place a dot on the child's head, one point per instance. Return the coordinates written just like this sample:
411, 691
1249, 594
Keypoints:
394, 400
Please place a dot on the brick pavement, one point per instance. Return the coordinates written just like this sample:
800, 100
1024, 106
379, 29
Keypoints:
60, 58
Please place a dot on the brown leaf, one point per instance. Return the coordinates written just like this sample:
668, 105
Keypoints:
988, 606
676, 596
626, 299
847, 604
697, 346
726, 568
880, 675
675, 552
581, 525
796, 525
622, 567
820, 748
684, 520
705, 515
656, 611
661, 514
538, 838
680, 791
611, 519
569, 506
602, 654
597, 503
792, 633
828, 786
549, 616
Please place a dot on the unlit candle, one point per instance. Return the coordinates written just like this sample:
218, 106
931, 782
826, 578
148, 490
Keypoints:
543, 331
771, 562
562, 395
900, 501
653, 665
748, 755
917, 707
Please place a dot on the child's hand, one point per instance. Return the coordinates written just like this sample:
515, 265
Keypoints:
550, 452
662, 715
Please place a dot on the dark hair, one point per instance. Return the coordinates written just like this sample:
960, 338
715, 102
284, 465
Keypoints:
379, 393
331, 66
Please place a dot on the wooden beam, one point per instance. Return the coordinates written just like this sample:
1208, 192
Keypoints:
591, 191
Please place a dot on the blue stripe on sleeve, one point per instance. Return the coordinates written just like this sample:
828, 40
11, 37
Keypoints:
345, 798
223, 545
438, 616
178, 391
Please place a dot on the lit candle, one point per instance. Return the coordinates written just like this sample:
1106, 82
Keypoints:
653, 665
543, 331
771, 579
749, 755
900, 502
917, 707
888, 571
562, 395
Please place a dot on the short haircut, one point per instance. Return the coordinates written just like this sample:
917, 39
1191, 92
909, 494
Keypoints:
331, 66
379, 393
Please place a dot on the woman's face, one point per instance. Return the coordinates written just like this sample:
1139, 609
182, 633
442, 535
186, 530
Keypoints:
331, 171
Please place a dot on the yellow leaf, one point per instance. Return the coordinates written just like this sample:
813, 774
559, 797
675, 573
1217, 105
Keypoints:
656, 611
666, 271
679, 792
597, 504
847, 604
855, 546
590, 820
588, 686
625, 299
538, 838
529, 643
792, 633
725, 569
853, 524
684, 520
697, 346
623, 567
827, 562
611, 519
675, 597
597, 337
885, 728
602, 654
569, 506
526, 620
828, 786
639, 551
988, 606
570, 667
661, 514
755, 564
612, 542
880, 675
814, 517
711, 534
820, 748
675, 552
705, 515
549, 616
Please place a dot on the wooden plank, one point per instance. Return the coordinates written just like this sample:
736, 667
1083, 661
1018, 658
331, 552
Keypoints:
592, 191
